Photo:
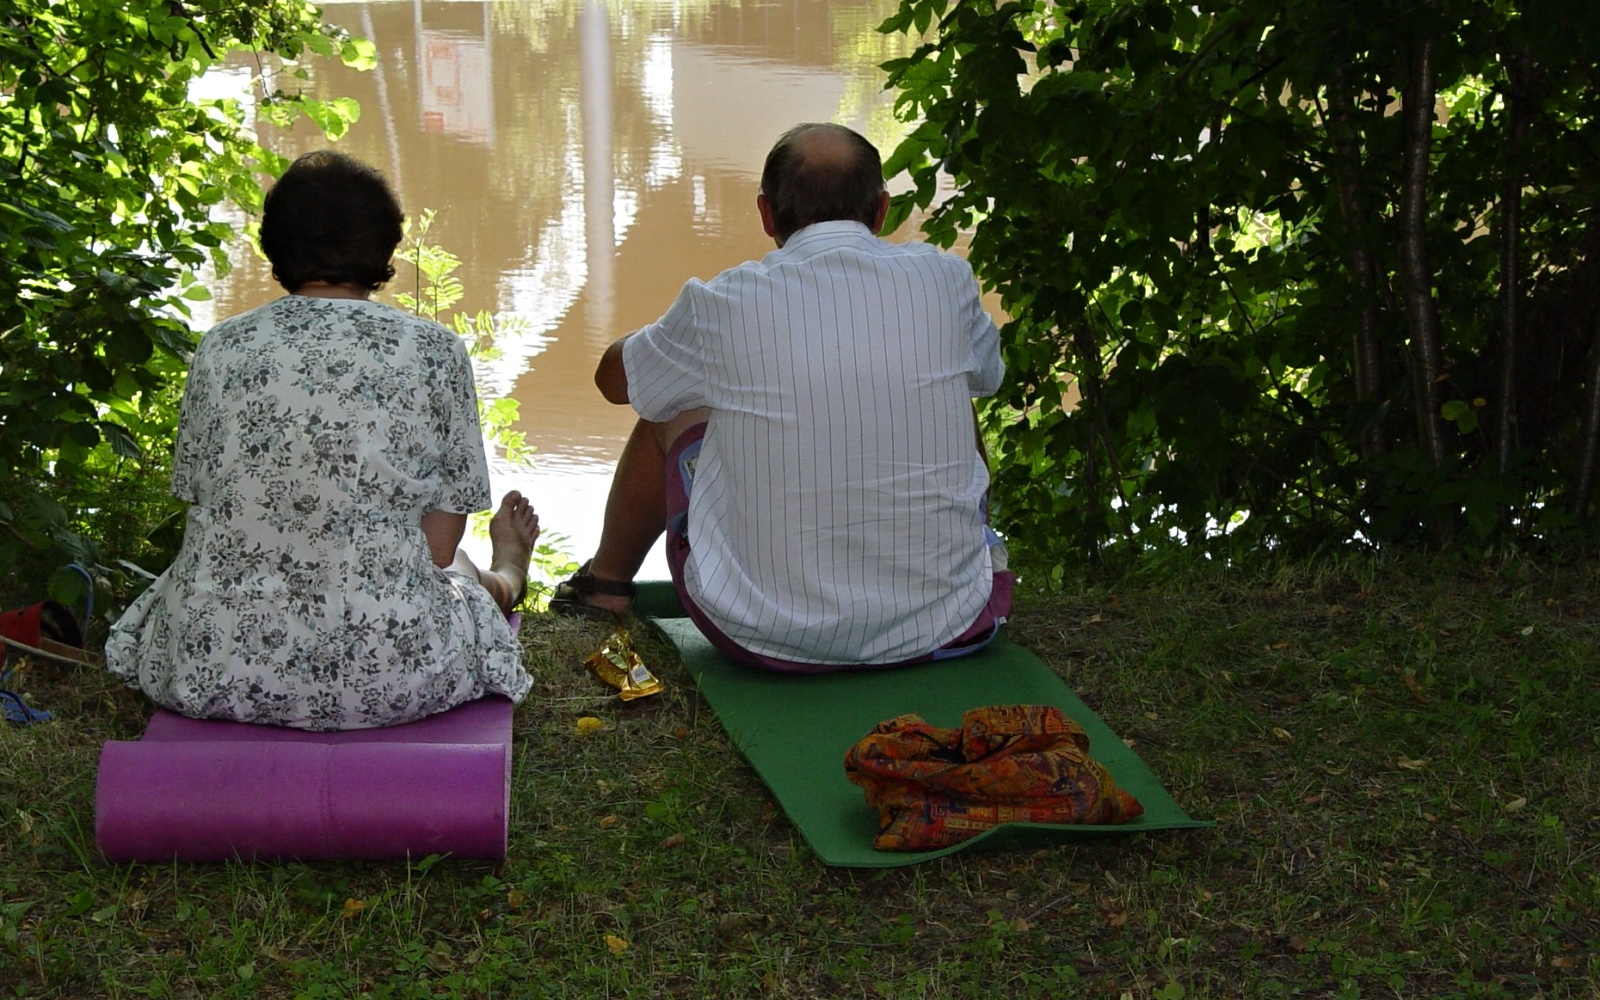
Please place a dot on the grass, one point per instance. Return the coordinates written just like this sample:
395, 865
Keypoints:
1401, 761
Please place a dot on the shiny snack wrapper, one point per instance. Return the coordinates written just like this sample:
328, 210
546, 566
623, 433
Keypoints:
618, 666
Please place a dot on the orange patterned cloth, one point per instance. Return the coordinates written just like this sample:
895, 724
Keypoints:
935, 787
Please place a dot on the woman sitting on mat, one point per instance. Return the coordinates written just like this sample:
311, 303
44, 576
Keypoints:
331, 451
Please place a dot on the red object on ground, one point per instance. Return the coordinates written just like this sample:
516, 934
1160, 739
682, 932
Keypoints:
935, 787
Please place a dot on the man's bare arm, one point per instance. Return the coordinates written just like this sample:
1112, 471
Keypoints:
610, 375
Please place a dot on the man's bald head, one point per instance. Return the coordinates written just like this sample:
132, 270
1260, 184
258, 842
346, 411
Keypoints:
822, 173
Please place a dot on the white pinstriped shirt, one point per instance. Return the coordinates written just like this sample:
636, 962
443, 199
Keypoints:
835, 514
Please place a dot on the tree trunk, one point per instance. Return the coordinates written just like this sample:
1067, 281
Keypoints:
1347, 170
1583, 481
1510, 218
1089, 396
1416, 271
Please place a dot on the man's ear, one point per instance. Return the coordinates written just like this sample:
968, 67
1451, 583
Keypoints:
767, 224
883, 210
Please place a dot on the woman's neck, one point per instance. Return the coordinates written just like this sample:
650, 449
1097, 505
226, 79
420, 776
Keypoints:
325, 290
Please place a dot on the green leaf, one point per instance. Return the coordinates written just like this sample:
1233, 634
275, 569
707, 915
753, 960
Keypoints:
128, 345
359, 53
333, 117
1461, 414
84, 435
122, 443
68, 586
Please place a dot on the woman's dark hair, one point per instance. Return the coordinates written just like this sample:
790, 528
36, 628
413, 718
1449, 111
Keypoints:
331, 218
821, 173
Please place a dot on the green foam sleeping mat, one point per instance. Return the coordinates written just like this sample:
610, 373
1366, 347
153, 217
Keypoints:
795, 729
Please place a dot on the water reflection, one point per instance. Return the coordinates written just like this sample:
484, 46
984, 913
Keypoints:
584, 158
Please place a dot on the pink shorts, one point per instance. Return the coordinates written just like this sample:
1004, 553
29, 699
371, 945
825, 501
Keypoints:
680, 482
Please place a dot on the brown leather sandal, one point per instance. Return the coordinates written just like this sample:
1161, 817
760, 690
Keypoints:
570, 596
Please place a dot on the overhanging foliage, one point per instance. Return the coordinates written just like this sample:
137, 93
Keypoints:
1286, 273
109, 173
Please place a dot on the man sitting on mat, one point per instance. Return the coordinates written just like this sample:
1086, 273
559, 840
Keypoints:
807, 438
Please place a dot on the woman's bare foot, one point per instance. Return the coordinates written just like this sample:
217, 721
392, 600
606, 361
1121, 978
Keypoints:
513, 530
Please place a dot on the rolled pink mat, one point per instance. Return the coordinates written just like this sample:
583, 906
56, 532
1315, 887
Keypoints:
195, 790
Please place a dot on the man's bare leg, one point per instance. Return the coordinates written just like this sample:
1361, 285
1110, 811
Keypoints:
513, 530
636, 507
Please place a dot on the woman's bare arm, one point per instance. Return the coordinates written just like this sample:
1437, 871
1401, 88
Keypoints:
444, 530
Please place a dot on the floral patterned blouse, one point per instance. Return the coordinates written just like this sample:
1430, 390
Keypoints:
314, 434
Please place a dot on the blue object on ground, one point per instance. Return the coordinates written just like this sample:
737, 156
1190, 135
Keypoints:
15, 709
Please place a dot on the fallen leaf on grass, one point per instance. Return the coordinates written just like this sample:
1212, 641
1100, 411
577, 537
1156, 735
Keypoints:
1280, 644
1416, 689
616, 945
1282, 734
137, 902
352, 907
588, 726
1115, 915
743, 925
1408, 764
1515, 804
439, 959
676, 840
